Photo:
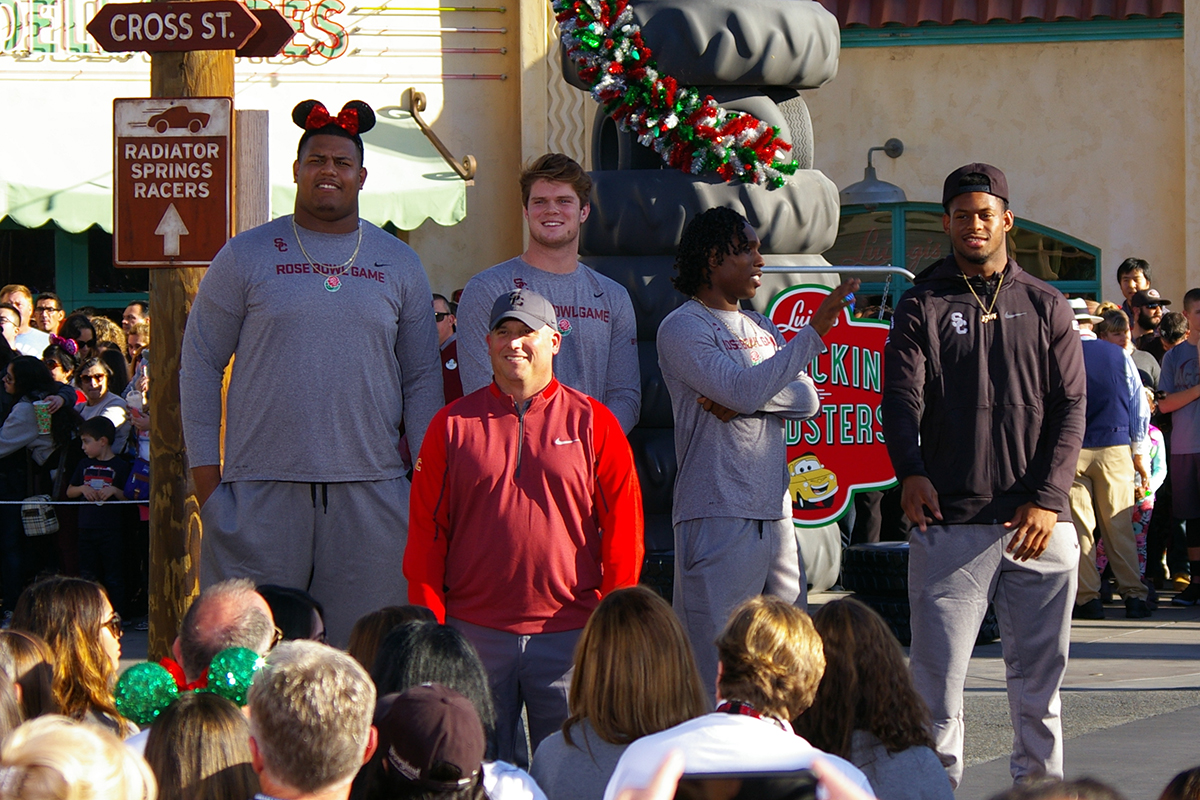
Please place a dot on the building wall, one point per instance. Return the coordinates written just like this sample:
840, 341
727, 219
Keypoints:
1090, 135
503, 124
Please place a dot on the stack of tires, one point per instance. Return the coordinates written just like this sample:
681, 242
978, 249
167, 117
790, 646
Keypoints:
752, 56
878, 576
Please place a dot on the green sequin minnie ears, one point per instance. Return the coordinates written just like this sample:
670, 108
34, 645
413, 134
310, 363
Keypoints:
144, 690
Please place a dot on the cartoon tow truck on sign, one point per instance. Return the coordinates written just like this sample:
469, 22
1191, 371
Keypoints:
811, 485
178, 117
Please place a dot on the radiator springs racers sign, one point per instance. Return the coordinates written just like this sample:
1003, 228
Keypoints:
840, 451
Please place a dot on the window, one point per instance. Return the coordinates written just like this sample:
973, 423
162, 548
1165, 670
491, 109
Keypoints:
911, 235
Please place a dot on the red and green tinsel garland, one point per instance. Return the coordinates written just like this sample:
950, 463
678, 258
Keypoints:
690, 132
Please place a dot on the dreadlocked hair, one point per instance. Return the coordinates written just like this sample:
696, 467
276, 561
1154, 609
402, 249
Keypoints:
709, 238
866, 686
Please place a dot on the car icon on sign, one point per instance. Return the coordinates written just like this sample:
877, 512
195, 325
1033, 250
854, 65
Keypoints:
811, 485
178, 117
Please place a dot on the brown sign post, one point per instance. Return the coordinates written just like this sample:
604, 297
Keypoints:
192, 66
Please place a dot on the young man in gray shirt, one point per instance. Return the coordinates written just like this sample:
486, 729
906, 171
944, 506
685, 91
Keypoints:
733, 381
331, 320
595, 316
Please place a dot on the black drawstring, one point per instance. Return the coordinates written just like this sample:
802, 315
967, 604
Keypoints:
312, 487
760, 528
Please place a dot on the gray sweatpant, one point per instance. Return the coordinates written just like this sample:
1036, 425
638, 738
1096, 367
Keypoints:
530, 671
953, 572
341, 542
722, 561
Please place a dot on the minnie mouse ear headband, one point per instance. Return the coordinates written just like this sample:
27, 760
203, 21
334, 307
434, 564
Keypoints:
70, 345
144, 690
355, 118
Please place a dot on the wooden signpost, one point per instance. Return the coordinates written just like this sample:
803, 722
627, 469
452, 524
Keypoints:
193, 46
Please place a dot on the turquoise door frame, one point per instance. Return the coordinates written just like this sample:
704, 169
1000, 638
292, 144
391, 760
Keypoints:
71, 261
900, 248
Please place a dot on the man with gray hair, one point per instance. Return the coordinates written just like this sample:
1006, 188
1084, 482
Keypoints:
310, 722
227, 614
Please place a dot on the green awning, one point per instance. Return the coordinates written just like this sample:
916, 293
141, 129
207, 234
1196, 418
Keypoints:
61, 171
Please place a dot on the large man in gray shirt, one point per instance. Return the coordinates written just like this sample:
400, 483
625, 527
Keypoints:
332, 323
599, 333
733, 381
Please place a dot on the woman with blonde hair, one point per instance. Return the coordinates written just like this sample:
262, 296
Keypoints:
79, 624
29, 663
634, 675
55, 758
867, 710
199, 749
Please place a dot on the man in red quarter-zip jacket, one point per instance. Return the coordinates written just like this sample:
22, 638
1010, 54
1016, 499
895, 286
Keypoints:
526, 511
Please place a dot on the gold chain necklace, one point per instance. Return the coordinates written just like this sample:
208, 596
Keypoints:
333, 281
988, 313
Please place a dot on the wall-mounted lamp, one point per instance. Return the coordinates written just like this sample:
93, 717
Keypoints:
870, 190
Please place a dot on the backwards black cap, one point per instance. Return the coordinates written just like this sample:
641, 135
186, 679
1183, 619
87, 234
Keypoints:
984, 178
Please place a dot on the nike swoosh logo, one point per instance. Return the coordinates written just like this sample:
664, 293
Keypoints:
381, 265
565, 441
597, 294
1013, 316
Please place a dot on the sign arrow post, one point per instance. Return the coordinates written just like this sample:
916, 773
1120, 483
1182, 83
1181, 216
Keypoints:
171, 227
173, 27
271, 38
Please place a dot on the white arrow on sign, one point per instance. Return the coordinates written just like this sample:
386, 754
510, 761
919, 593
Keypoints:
171, 227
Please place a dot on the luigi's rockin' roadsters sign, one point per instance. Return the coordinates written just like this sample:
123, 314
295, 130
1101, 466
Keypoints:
841, 450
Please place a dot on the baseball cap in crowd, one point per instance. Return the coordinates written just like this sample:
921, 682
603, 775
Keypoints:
431, 736
1148, 298
995, 183
1079, 306
524, 305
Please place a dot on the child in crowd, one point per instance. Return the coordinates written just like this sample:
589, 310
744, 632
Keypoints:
1143, 506
100, 476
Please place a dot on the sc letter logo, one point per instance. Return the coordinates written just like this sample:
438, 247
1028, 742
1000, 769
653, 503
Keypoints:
960, 324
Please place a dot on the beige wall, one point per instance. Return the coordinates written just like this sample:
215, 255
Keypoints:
1090, 135
503, 124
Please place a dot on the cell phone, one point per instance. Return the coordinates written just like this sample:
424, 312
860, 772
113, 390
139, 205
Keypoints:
798, 784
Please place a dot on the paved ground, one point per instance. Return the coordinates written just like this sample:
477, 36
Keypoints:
1131, 704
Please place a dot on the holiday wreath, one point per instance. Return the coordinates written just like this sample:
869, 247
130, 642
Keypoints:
690, 132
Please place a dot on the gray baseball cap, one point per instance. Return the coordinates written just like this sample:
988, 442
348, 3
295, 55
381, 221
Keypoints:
524, 305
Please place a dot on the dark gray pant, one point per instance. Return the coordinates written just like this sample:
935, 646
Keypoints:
341, 542
532, 671
721, 562
953, 572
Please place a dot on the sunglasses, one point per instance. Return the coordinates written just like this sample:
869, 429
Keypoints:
114, 625
438, 316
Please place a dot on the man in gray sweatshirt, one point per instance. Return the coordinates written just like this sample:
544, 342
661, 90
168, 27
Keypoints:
332, 324
733, 381
595, 316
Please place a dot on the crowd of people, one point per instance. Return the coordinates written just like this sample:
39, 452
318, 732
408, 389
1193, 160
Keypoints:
74, 425
408, 712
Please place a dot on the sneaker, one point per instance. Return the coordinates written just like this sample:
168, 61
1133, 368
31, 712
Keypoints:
142, 625
1106, 591
1181, 581
1136, 608
1092, 609
1188, 597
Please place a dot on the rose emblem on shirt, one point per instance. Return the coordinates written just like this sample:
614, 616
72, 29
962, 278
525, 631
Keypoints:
334, 281
564, 327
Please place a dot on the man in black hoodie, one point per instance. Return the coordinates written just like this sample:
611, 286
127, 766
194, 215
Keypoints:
983, 410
